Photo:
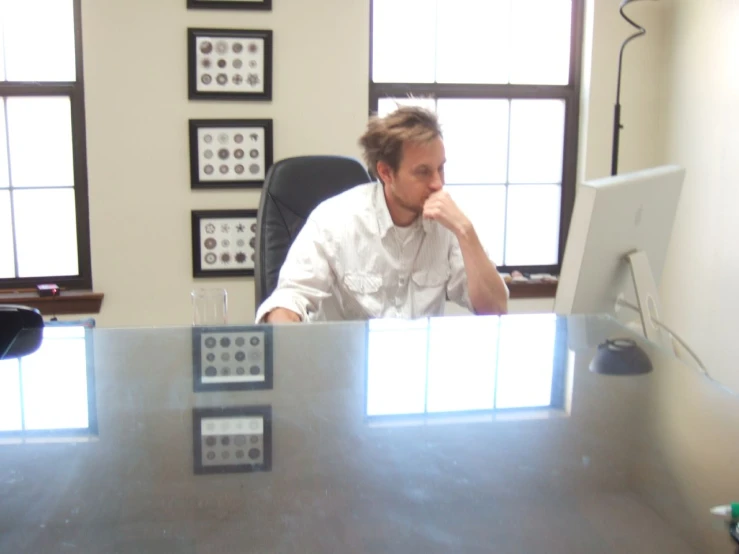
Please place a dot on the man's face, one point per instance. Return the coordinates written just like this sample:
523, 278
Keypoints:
421, 173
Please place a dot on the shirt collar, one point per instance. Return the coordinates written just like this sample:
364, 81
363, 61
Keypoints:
384, 221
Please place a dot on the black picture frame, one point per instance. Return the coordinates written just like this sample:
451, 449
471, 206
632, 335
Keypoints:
207, 453
234, 254
232, 358
263, 5
239, 152
242, 52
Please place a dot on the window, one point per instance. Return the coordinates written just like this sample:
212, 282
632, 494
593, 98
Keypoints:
504, 78
44, 228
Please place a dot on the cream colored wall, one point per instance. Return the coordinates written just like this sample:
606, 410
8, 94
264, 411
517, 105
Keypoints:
642, 99
699, 283
137, 112
137, 139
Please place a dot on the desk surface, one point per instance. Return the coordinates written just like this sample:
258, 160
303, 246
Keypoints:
444, 435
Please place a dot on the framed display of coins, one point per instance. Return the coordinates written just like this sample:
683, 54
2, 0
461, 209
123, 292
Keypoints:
232, 358
228, 153
232, 439
223, 242
229, 64
230, 4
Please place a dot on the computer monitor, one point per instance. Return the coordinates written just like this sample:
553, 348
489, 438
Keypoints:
616, 247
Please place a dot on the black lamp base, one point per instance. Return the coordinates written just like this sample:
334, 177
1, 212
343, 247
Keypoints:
620, 357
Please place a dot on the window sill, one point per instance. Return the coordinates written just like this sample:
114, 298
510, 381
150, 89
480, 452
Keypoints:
533, 289
69, 302
77, 302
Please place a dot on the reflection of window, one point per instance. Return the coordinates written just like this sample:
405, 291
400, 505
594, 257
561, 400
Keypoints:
474, 364
50, 392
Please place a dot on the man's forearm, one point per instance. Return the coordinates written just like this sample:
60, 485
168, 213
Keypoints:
282, 306
282, 315
487, 290
306, 279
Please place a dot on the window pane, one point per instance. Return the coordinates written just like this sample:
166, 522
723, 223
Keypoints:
476, 140
532, 235
537, 141
40, 136
403, 41
396, 365
7, 251
540, 42
525, 374
4, 177
473, 41
46, 232
462, 378
55, 381
31, 25
10, 397
484, 205
386, 106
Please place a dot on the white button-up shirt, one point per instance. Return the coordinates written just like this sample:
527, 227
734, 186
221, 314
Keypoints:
351, 262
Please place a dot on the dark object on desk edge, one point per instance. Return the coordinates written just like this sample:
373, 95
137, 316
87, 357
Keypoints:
15, 319
620, 357
734, 531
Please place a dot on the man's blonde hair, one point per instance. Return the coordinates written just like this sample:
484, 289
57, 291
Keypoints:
384, 138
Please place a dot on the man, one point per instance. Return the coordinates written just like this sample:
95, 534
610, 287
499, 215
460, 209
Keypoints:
399, 247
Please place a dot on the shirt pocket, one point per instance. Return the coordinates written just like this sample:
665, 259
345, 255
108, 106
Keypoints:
430, 292
365, 290
434, 278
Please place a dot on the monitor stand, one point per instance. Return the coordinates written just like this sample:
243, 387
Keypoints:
647, 299
648, 307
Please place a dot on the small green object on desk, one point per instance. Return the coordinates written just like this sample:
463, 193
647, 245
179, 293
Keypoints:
731, 510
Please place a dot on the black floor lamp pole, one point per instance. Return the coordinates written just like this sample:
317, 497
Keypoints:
617, 108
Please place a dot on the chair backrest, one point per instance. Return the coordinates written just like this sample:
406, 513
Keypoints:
292, 189
21, 331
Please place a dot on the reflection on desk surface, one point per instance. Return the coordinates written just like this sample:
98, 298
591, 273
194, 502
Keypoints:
448, 434
49, 395
473, 366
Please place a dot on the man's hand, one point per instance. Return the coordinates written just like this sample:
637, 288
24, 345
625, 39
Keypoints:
440, 207
487, 291
282, 315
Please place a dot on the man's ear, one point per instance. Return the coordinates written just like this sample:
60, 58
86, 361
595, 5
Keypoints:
384, 172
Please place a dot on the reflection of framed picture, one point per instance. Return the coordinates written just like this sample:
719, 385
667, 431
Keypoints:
232, 440
229, 152
232, 358
229, 64
230, 4
223, 242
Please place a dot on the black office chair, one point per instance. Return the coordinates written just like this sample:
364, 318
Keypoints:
292, 189
21, 331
